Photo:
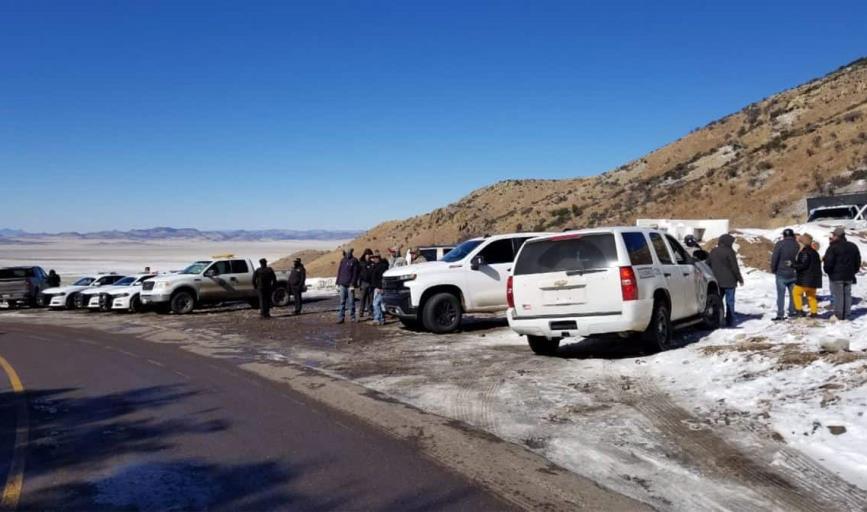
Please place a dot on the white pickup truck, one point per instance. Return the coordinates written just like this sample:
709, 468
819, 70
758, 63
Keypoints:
471, 278
219, 279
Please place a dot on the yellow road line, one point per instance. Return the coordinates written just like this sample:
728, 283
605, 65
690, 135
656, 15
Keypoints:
15, 479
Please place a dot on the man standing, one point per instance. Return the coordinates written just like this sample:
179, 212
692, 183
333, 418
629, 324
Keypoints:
347, 276
724, 262
379, 268
297, 282
842, 262
365, 267
395, 259
785, 252
808, 266
53, 280
264, 280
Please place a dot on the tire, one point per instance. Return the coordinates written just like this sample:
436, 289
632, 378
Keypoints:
442, 313
713, 316
70, 302
542, 346
410, 323
657, 337
135, 304
44, 300
182, 303
280, 297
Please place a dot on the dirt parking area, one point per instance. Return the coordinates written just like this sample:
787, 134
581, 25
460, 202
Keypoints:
595, 410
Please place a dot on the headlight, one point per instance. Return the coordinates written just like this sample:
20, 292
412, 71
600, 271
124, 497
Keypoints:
121, 295
161, 285
406, 277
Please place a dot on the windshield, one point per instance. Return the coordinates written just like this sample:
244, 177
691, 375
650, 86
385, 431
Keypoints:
126, 281
460, 252
843, 212
196, 268
84, 281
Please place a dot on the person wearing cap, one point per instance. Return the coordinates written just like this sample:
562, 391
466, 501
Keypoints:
415, 256
297, 281
808, 267
785, 252
842, 262
264, 280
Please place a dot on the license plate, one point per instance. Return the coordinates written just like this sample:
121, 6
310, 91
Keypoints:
563, 297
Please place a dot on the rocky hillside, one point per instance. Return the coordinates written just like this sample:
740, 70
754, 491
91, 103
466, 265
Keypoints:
754, 167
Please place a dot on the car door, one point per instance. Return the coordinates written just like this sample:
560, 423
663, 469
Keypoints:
677, 285
694, 288
214, 285
486, 286
241, 279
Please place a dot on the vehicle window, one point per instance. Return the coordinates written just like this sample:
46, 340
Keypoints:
842, 212
500, 251
126, 281
9, 273
107, 280
636, 246
429, 254
661, 249
576, 253
239, 267
680, 255
461, 251
196, 268
221, 267
84, 281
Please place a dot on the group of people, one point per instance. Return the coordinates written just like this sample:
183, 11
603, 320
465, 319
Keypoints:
798, 269
363, 276
265, 279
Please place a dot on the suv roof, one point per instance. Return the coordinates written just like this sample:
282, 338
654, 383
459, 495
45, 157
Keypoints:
513, 235
612, 229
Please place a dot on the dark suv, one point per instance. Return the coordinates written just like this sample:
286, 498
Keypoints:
21, 285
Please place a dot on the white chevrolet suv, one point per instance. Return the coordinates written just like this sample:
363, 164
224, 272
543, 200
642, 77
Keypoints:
621, 281
471, 278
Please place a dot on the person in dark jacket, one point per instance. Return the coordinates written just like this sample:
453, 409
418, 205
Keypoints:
264, 280
380, 267
808, 280
724, 262
365, 267
347, 277
842, 262
297, 282
53, 280
785, 252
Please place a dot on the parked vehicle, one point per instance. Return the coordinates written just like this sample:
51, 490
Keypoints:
434, 252
22, 286
622, 281
471, 278
841, 212
69, 297
220, 279
102, 298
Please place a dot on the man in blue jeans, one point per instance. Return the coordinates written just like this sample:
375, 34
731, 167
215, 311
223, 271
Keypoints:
785, 252
347, 280
724, 262
380, 266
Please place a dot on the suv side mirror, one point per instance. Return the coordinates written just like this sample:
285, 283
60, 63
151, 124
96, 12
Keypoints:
700, 255
210, 272
477, 262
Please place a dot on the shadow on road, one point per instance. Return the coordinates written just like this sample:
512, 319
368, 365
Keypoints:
112, 452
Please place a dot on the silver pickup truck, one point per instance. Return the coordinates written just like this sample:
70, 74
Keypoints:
21, 285
219, 279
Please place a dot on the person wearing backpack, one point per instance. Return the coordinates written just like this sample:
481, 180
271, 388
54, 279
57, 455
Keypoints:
785, 252
808, 280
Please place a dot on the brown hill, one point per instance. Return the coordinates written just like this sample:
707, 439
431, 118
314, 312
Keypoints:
754, 167
307, 256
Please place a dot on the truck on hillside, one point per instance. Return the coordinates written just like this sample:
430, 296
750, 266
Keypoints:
843, 208
22, 285
220, 279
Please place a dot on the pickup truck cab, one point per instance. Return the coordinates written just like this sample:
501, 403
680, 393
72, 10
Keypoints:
219, 279
22, 285
69, 297
101, 299
471, 278
620, 281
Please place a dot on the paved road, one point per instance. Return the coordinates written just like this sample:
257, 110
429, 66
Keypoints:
116, 422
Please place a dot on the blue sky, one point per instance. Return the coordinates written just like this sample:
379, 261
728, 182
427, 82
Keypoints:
342, 114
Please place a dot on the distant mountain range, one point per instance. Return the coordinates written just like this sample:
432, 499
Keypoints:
166, 233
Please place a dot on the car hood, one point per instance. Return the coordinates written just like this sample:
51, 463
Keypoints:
63, 289
93, 290
418, 268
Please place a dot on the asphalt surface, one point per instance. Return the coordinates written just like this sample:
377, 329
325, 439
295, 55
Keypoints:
119, 423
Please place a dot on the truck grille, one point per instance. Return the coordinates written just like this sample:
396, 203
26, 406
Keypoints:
392, 284
147, 286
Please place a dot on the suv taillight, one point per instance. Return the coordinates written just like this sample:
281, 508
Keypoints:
628, 284
510, 296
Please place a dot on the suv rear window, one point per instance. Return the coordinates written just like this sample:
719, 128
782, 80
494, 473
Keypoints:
10, 273
582, 252
636, 246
